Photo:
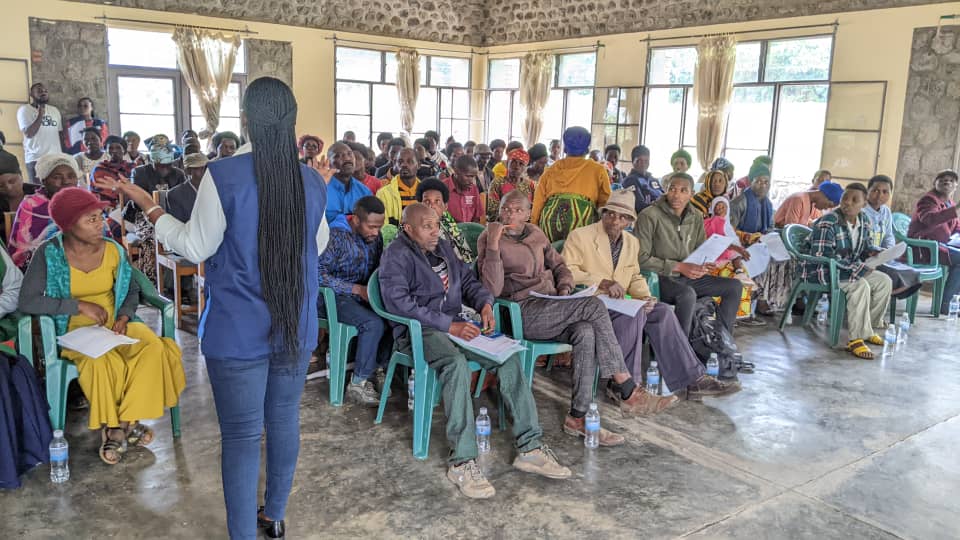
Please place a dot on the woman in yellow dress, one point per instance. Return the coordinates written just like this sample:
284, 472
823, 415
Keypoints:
80, 278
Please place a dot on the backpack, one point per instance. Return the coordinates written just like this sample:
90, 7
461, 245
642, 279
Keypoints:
708, 335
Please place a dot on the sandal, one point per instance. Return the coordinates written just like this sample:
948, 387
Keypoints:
140, 435
875, 340
859, 349
108, 445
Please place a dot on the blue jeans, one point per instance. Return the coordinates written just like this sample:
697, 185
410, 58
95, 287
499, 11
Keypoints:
952, 286
251, 394
373, 348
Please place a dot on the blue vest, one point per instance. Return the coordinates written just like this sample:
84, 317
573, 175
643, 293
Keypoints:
236, 320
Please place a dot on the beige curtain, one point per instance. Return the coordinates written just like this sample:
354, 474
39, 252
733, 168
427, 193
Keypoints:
206, 60
712, 89
408, 86
536, 70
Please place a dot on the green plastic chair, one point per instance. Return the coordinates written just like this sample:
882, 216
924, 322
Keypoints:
471, 232
389, 233
931, 271
340, 336
653, 280
426, 391
60, 372
793, 238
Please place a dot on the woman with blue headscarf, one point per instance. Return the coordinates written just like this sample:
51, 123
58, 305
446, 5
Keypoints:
570, 191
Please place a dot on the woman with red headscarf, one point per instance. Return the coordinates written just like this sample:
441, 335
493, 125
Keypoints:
516, 179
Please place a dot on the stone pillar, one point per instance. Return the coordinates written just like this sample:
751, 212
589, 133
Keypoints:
268, 58
70, 58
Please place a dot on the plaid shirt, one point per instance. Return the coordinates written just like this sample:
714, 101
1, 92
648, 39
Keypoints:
348, 260
830, 238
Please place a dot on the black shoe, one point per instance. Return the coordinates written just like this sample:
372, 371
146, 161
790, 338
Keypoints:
273, 529
745, 367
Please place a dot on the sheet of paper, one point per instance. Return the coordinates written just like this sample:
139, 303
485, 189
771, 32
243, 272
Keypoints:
759, 259
93, 341
954, 240
498, 349
778, 251
627, 306
710, 250
589, 291
886, 255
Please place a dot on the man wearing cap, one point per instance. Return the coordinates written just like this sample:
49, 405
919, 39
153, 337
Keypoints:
936, 217
751, 215
646, 187
180, 200
515, 180
465, 204
670, 230
680, 161
571, 189
41, 125
538, 161
737, 187
806, 206
160, 171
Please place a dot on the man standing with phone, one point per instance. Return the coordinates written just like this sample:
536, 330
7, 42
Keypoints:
41, 124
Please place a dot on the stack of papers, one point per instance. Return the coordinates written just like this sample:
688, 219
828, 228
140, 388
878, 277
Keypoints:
589, 291
886, 255
93, 341
710, 250
759, 259
498, 349
627, 306
778, 251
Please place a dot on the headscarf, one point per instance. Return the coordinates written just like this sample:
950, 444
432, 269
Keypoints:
681, 153
576, 140
702, 200
9, 164
537, 151
70, 204
520, 155
48, 162
758, 170
728, 229
304, 138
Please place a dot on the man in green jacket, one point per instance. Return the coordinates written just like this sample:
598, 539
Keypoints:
669, 230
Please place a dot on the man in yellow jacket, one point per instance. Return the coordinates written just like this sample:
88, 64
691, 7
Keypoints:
401, 192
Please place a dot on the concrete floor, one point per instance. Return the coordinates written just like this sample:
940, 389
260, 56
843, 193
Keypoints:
817, 445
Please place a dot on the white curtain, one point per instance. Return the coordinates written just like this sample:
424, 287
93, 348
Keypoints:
536, 72
712, 90
206, 60
408, 85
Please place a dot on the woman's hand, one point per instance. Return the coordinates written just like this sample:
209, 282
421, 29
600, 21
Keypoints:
120, 327
93, 311
123, 185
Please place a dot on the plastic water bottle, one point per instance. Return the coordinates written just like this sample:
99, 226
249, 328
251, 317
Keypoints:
823, 310
410, 386
653, 379
904, 329
483, 431
59, 458
713, 365
592, 425
954, 308
889, 341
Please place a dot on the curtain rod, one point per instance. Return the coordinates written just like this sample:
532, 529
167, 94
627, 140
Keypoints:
596, 46
336, 40
834, 24
157, 23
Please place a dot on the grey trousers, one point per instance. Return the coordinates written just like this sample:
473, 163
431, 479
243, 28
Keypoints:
584, 324
671, 348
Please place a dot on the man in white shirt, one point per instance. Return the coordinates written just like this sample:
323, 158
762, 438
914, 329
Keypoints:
41, 125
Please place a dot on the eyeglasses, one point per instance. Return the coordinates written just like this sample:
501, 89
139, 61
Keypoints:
512, 210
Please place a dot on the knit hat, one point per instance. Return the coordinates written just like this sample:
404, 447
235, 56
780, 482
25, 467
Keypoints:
69, 204
622, 201
833, 191
9, 164
191, 161
763, 160
681, 153
482, 149
48, 162
520, 155
537, 151
576, 140
758, 170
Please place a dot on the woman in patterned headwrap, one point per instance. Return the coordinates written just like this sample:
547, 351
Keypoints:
311, 152
714, 185
516, 179
571, 189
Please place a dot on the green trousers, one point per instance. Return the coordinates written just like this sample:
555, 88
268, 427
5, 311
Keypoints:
453, 373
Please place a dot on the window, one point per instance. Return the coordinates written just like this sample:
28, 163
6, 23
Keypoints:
778, 107
367, 101
148, 94
616, 120
571, 101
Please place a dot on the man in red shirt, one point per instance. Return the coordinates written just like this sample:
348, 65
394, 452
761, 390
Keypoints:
937, 217
465, 204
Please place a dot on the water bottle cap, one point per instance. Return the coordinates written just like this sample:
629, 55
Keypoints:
483, 410
593, 406
653, 363
713, 355
57, 433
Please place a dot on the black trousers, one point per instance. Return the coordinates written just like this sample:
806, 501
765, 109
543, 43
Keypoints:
683, 292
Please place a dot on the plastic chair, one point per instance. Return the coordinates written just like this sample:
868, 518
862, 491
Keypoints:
793, 237
426, 391
534, 349
653, 280
471, 232
60, 372
340, 336
931, 271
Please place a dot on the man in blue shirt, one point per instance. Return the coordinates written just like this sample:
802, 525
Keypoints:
344, 191
647, 188
352, 254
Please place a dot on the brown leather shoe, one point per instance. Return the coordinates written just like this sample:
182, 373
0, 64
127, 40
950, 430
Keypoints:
641, 403
708, 386
575, 426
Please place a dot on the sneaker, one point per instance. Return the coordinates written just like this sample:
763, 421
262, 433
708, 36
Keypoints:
363, 394
471, 481
541, 461
641, 403
576, 427
708, 386
380, 379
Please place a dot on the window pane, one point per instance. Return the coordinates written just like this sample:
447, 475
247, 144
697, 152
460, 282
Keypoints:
800, 122
498, 115
240, 65
358, 124
579, 108
672, 65
425, 117
139, 48
751, 112
148, 125
461, 104
552, 118
748, 63
446, 71
460, 129
606, 105
690, 122
627, 138
229, 104
390, 68
695, 170
386, 108
446, 103
799, 59
145, 95
358, 64
226, 124
631, 100
602, 135
517, 120
662, 126
353, 98
504, 73
576, 69
742, 159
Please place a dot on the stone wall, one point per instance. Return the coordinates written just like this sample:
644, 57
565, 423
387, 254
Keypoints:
268, 58
70, 58
931, 118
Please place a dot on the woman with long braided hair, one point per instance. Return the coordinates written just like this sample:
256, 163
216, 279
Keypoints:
259, 325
